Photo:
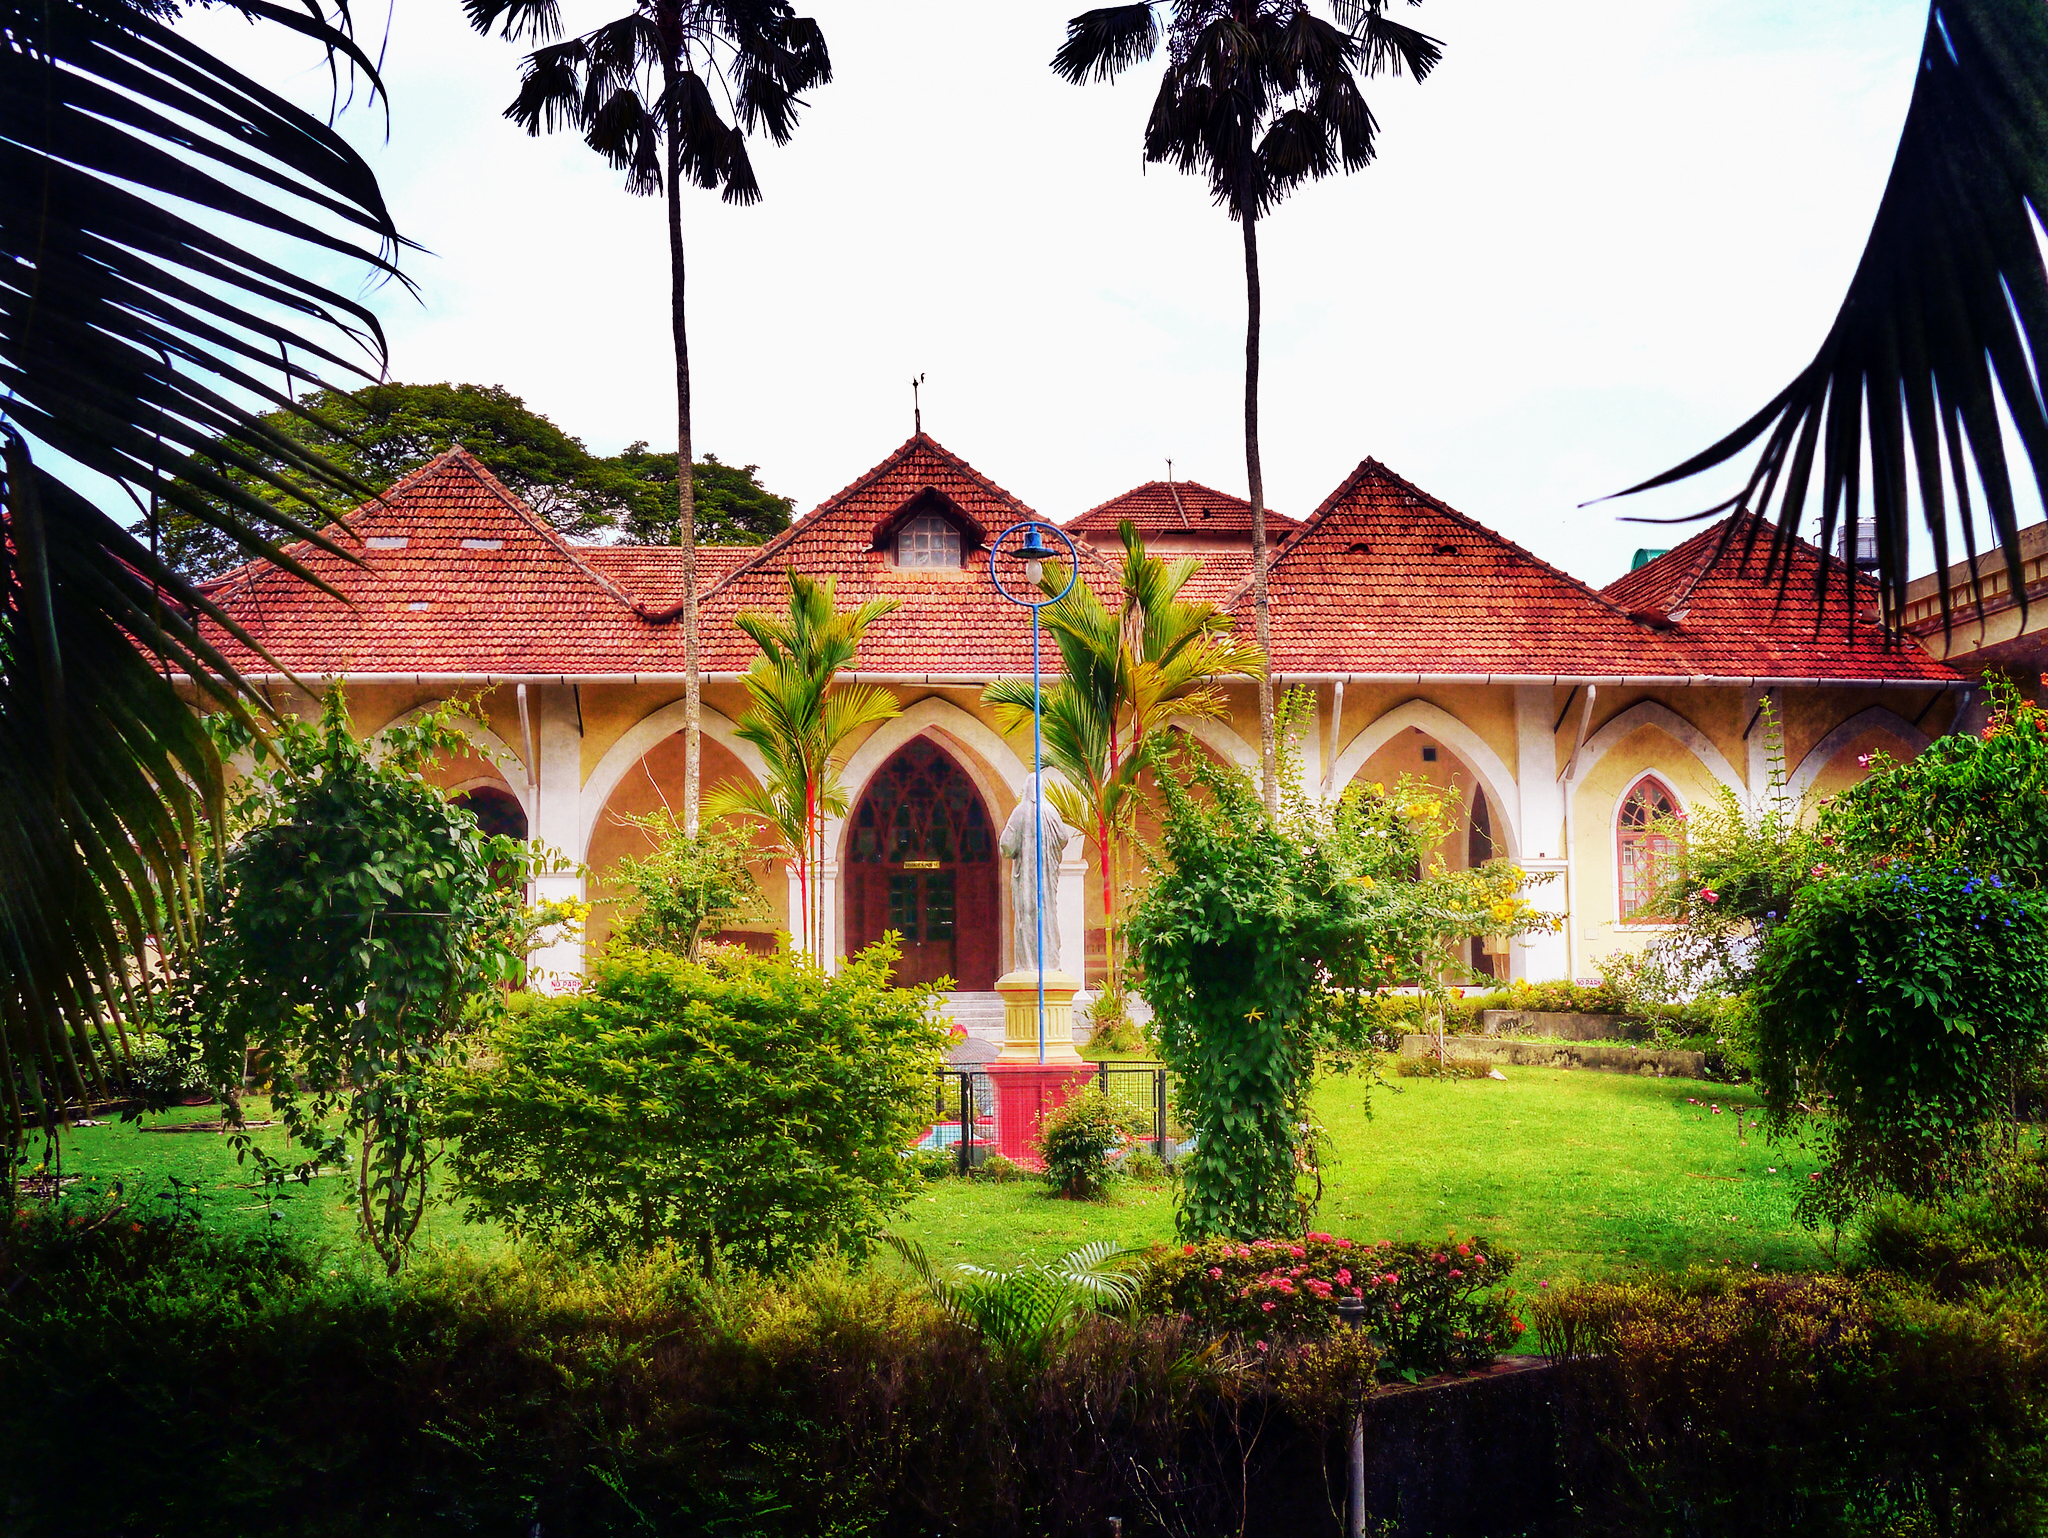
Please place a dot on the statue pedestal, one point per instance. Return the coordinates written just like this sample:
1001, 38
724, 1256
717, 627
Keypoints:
1025, 1088
1019, 990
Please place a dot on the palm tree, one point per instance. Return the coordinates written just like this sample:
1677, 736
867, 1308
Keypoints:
800, 721
645, 92
1124, 672
1946, 314
1259, 96
151, 199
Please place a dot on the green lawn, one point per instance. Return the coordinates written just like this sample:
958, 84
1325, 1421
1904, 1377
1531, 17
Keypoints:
1580, 1173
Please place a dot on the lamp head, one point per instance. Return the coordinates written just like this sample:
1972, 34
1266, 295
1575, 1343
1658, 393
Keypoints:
1034, 554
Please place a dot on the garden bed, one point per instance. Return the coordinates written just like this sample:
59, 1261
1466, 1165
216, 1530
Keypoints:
1601, 1057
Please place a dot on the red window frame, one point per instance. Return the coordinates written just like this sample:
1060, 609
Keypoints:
1638, 850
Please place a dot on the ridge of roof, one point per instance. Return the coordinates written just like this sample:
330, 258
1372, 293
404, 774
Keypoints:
1369, 468
1081, 518
917, 440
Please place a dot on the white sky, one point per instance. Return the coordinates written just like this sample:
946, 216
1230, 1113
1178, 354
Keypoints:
1595, 240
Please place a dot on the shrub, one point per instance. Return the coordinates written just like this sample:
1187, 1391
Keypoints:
1145, 1167
155, 1381
1993, 1236
999, 1169
1744, 1404
1910, 999
687, 888
1432, 1306
750, 1104
1075, 1140
1427, 1067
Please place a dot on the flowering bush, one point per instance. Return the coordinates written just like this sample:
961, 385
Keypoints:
1432, 1305
1076, 1139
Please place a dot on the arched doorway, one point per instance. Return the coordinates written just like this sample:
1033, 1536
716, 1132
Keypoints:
921, 860
497, 811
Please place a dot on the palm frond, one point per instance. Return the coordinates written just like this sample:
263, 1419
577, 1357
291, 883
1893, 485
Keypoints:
133, 335
1945, 318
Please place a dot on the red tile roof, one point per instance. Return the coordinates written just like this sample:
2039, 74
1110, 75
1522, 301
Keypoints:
1770, 624
1178, 507
1383, 579
951, 623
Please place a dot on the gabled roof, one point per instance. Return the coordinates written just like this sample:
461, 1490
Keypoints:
1770, 624
457, 576
1384, 578
950, 622
1178, 507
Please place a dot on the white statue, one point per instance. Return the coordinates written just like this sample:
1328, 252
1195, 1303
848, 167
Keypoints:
1015, 847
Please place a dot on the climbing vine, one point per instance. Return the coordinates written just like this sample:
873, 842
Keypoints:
1261, 940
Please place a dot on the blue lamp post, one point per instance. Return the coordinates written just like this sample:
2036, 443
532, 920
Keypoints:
1034, 553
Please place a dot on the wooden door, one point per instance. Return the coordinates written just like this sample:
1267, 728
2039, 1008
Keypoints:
922, 861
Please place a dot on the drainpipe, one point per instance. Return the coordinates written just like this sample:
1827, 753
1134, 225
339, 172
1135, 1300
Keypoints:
1571, 858
1336, 738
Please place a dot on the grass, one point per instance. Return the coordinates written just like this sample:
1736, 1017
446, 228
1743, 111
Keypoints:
1582, 1174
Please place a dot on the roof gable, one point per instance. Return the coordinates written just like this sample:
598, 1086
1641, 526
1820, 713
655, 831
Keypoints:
1385, 578
1719, 589
1178, 507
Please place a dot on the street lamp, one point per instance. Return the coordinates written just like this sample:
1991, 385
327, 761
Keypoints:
1034, 553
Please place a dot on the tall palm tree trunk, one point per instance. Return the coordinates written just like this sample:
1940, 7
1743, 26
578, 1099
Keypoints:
686, 489
1269, 781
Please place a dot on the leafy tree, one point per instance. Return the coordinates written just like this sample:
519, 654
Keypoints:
145, 291
1261, 941
687, 887
1980, 800
800, 721
1906, 1002
386, 431
361, 919
750, 1106
1123, 672
648, 92
1946, 317
733, 507
1259, 97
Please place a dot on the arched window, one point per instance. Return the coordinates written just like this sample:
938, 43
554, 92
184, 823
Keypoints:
1640, 845
928, 540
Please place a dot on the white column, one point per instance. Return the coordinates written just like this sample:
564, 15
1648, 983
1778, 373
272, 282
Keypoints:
1540, 957
557, 824
1073, 910
832, 946
799, 920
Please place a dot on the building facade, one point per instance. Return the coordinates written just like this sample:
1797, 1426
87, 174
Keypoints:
1562, 719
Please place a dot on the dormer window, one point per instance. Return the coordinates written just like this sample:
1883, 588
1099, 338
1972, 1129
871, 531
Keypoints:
928, 540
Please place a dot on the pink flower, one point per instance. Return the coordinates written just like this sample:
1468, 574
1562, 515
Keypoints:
1343, 1244
1543, 1284
1456, 1272
1464, 1249
1296, 1250
1863, 759
1708, 894
1215, 1273
1320, 1238
1478, 1260
1358, 1292
1266, 1307
1343, 1277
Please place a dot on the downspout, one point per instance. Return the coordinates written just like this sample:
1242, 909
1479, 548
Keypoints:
1336, 737
1571, 859
532, 749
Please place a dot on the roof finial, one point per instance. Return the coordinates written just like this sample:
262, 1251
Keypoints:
1174, 492
916, 408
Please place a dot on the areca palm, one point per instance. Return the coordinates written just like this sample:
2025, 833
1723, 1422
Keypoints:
1259, 97
158, 213
1946, 316
648, 91
800, 720
1124, 673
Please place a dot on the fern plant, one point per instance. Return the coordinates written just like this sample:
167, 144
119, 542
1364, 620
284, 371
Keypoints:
1026, 1314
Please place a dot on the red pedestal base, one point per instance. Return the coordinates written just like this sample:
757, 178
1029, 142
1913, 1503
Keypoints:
1024, 1093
